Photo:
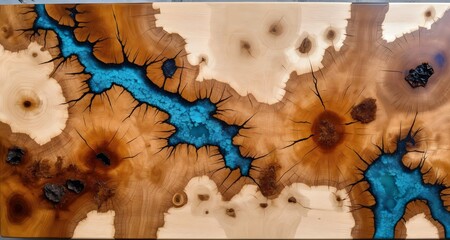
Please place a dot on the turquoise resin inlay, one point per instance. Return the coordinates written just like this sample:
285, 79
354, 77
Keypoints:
194, 121
394, 185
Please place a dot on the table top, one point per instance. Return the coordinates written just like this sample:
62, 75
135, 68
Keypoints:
224, 120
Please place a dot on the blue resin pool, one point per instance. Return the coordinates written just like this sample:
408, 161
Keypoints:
194, 122
394, 185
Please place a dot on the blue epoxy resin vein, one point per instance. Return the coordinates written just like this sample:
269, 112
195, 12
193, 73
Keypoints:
194, 122
393, 186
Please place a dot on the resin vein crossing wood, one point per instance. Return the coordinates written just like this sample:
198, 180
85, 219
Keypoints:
225, 120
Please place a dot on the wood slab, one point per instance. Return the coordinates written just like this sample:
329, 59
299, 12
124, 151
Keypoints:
222, 120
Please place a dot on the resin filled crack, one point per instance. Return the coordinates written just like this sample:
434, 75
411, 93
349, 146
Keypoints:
194, 121
394, 186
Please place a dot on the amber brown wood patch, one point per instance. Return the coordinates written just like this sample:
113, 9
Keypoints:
225, 120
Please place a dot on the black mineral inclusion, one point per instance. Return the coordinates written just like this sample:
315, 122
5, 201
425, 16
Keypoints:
74, 185
54, 192
105, 159
419, 76
169, 68
15, 156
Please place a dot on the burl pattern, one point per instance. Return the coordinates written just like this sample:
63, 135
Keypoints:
114, 152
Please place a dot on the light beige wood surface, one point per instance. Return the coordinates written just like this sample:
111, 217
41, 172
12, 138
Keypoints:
287, 73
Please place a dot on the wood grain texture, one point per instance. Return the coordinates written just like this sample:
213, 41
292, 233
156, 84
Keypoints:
311, 95
412, 210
